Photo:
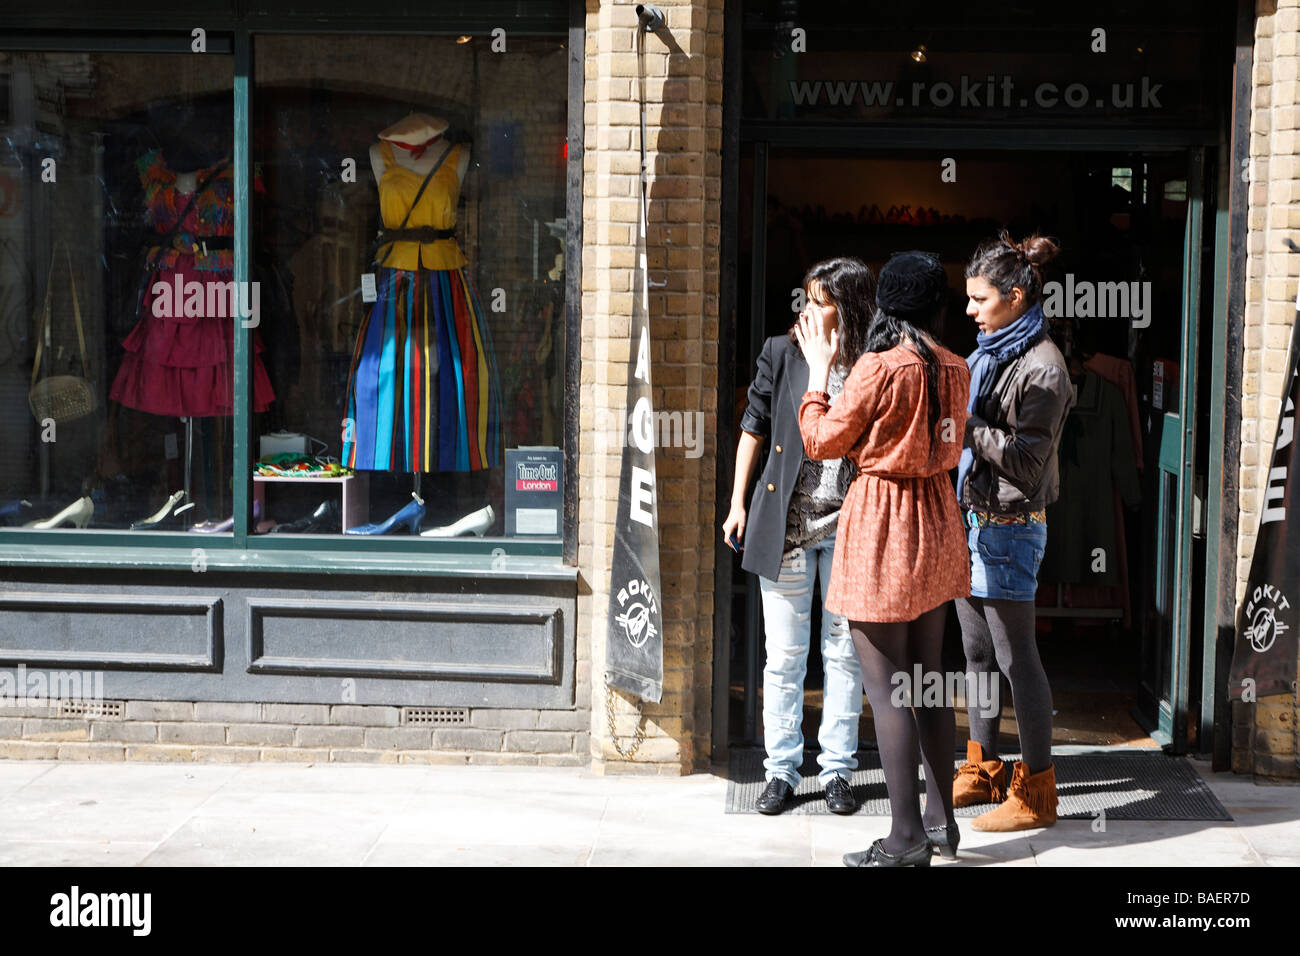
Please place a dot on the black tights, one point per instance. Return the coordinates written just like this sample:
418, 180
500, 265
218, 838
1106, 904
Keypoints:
886, 649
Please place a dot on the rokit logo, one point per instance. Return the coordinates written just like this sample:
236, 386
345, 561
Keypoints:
636, 602
536, 477
1262, 611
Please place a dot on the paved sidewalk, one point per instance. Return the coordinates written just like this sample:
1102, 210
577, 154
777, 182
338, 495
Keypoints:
83, 814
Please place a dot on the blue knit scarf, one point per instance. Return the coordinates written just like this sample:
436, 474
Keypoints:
992, 352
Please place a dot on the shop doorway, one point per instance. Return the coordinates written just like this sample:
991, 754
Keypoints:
1117, 623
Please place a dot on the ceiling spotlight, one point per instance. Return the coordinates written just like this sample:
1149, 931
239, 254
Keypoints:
464, 38
918, 55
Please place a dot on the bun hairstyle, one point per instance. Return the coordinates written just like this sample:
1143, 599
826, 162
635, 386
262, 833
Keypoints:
850, 285
1006, 264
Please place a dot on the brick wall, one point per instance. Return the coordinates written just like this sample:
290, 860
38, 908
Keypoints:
1264, 735
684, 124
223, 732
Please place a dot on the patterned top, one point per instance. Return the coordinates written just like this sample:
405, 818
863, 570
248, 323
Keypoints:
211, 215
901, 548
818, 492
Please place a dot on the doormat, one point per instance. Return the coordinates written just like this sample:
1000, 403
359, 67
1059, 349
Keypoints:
1127, 784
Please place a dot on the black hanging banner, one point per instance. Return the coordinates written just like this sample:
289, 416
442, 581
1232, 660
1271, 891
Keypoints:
1264, 657
634, 655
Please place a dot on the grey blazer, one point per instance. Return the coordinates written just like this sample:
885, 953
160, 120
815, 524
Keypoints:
773, 413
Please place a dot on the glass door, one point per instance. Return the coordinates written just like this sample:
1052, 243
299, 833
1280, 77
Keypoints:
1166, 651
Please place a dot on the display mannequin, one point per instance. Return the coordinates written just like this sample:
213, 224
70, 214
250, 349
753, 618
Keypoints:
423, 391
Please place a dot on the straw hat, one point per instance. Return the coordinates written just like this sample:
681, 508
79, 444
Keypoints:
415, 128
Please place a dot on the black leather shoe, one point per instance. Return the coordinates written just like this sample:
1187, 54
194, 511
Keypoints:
775, 797
839, 798
918, 855
944, 839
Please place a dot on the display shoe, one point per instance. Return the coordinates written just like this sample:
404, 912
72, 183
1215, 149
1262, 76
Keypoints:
839, 798
1030, 803
776, 796
476, 522
918, 855
158, 520
324, 520
11, 510
944, 839
411, 515
78, 513
978, 780
216, 527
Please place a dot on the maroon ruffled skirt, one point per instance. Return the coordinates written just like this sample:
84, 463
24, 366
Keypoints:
183, 365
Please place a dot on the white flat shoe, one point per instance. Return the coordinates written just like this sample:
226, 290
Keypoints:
78, 513
476, 522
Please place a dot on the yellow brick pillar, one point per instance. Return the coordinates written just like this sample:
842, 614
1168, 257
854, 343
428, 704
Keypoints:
684, 140
1264, 738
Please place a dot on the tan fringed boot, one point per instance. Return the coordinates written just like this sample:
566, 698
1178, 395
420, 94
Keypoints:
1030, 803
978, 780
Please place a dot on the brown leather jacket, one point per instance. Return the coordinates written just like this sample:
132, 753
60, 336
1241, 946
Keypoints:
1015, 432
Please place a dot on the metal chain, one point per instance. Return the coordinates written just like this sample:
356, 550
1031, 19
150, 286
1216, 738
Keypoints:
637, 738
1295, 720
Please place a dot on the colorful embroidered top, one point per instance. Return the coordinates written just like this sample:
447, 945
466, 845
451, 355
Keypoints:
211, 215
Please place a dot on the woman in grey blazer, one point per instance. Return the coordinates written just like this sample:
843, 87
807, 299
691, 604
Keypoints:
787, 538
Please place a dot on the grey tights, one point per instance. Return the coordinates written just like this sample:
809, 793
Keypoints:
998, 635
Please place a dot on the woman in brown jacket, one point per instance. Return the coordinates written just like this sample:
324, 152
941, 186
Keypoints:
900, 554
1020, 396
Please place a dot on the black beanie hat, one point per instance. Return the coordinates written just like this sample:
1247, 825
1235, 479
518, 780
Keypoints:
912, 285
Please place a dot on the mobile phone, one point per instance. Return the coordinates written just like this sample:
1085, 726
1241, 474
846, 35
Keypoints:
734, 542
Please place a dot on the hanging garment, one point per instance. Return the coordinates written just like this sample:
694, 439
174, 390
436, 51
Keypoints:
1119, 372
181, 362
1096, 462
423, 389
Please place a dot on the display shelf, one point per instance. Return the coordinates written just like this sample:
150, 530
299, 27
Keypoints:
355, 490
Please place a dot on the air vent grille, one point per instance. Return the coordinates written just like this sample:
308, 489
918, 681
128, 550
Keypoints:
98, 709
435, 716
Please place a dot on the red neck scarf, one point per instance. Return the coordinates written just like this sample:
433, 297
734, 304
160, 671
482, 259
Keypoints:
417, 149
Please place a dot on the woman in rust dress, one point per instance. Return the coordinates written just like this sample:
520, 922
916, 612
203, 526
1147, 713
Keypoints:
901, 552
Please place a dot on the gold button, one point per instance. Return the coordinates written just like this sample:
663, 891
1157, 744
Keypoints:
771, 487
778, 449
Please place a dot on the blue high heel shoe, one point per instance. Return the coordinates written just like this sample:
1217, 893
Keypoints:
12, 509
411, 515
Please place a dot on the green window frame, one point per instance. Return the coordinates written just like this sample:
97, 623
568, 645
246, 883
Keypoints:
144, 27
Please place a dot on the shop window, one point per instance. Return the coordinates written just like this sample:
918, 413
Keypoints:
412, 229
116, 296
402, 312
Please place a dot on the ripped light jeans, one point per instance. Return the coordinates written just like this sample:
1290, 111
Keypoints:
787, 615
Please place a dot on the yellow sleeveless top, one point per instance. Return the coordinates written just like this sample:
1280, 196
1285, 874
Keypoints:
437, 210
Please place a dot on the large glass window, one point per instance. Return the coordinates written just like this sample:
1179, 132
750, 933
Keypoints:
116, 309
409, 245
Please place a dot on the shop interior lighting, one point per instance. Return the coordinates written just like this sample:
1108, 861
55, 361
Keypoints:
918, 54
464, 38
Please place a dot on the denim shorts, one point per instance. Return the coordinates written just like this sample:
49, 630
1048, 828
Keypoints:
1004, 560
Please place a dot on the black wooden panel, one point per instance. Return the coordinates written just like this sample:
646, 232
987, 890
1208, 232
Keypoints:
472, 642
131, 630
